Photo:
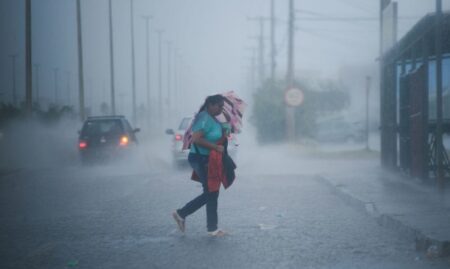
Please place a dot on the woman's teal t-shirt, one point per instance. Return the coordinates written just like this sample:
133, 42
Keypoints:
211, 129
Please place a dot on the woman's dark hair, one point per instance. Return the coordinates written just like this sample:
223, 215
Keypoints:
212, 100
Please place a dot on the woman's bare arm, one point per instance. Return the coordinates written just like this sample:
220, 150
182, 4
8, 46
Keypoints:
197, 138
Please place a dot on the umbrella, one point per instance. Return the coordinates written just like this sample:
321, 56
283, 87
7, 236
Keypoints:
233, 110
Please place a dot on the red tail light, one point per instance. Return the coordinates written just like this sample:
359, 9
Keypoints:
82, 145
124, 140
178, 137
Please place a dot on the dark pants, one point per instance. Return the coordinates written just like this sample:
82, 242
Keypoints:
199, 163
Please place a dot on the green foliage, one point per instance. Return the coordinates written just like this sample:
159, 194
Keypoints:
332, 97
55, 113
52, 115
268, 113
9, 112
320, 97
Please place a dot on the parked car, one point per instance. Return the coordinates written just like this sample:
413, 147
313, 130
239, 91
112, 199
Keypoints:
233, 145
340, 131
106, 137
179, 155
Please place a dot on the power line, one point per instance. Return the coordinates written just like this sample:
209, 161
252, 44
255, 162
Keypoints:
350, 19
325, 17
329, 37
345, 30
358, 6
338, 19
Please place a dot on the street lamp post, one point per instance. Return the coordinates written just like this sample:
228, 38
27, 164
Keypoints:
14, 93
111, 56
272, 41
80, 64
147, 64
68, 89
160, 32
368, 82
133, 79
28, 59
169, 77
56, 70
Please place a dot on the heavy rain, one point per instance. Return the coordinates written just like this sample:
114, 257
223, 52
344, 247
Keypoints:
335, 114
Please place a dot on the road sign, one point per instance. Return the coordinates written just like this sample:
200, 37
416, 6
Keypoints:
293, 97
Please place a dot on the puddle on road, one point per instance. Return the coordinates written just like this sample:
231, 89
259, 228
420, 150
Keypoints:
142, 240
265, 227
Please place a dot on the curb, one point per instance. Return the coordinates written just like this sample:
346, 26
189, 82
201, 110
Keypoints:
432, 247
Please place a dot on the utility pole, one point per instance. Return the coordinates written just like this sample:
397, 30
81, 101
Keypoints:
80, 64
272, 41
169, 77
368, 84
147, 63
28, 59
290, 67
383, 136
160, 32
438, 49
36, 67
262, 68
111, 56
252, 69
290, 111
56, 70
14, 91
133, 79
385, 143
261, 62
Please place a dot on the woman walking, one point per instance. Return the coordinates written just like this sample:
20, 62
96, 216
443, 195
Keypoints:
206, 133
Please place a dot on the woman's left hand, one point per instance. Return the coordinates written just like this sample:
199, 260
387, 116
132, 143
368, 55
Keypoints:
218, 148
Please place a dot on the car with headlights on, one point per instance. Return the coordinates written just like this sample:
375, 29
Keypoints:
106, 137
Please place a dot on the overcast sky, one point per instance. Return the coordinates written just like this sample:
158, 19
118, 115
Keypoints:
214, 39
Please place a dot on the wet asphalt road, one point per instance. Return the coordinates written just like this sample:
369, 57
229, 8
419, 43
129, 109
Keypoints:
116, 216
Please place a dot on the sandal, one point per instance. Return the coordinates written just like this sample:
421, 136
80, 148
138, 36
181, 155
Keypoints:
179, 220
217, 233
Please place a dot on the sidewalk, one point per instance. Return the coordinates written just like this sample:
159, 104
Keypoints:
412, 208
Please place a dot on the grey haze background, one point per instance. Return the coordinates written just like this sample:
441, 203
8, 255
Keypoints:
213, 38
